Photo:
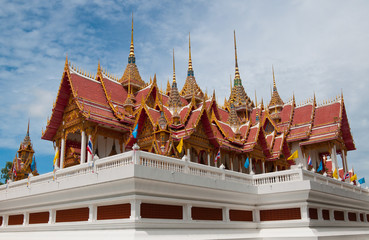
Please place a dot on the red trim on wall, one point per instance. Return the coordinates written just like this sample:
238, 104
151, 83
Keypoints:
161, 211
16, 219
72, 215
118, 211
352, 217
280, 214
313, 213
339, 215
201, 213
325, 214
240, 215
40, 217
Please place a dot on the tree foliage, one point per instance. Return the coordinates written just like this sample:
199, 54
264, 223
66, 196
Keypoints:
5, 171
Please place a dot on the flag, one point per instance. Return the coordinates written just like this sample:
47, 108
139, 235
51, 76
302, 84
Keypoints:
33, 164
217, 157
89, 146
353, 178
134, 133
335, 175
14, 171
310, 163
293, 156
347, 175
247, 163
320, 168
361, 180
56, 156
180, 146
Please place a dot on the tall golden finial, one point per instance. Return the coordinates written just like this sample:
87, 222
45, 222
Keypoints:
189, 53
132, 49
131, 57
174, 69
256, 100
274, 85
28, 128
237, 73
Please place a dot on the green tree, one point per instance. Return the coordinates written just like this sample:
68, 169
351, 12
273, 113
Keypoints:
5, 171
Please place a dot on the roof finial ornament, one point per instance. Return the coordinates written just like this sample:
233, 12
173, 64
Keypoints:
28, 128
274, 85
174, 69
131, 58
190, 70
237, 73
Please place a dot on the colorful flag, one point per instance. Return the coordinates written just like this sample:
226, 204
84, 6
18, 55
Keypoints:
217, 157
56, 156
353, 178
310, 163
347, 175
180, 146
361, 180
335, 175
14, 171
33, 164
89, 146
293, 156
320, 168
134, 133
247, 163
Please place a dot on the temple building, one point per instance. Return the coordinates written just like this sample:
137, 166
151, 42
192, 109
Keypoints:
105, 110
133, 161
24, 162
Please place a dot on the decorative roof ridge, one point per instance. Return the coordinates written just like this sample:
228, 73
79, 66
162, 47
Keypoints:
337, 99
79, 72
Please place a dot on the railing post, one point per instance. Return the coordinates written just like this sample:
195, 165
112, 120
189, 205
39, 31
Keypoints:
223, 171
136, 157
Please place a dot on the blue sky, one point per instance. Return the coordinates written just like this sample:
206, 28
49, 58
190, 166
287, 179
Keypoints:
315, 46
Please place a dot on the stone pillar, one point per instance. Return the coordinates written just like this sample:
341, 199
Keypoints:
345, 160
92, 213
225, 212
231, 162
334, 158
25, 219
83, 147
304, 212
135, 209
320, 215
331, 215
250, 167
62, 152
263, 164
189, 154
52, 217
89, 155
187, 212
208, 158
240, 165
57, 161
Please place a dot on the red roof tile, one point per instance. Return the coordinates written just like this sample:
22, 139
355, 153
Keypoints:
302, 115
327, 114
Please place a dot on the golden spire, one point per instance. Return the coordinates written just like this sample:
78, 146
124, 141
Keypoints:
274, 85
174, 69
189, 53
28, 128
131, 58
237, 73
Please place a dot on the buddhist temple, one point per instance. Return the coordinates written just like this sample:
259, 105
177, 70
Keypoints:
24, 162
133, 161
105, 109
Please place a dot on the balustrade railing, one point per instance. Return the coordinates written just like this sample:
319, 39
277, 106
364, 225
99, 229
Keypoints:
184, 166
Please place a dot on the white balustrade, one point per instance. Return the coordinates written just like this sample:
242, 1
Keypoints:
151, 160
